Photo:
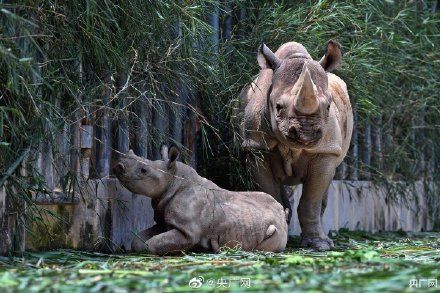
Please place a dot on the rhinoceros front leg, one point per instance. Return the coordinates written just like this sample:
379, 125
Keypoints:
313, 202
170, 242
268, 173
140, 239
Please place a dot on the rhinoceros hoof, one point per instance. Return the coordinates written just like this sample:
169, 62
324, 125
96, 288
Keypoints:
317, 243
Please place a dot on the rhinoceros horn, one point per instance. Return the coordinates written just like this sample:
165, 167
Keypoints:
306, 100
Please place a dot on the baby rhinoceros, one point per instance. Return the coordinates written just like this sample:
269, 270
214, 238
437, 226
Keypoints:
193, 213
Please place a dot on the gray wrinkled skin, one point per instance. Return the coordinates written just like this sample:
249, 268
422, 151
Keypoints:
300, 115
192, 213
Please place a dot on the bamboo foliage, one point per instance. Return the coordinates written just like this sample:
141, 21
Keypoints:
170, 72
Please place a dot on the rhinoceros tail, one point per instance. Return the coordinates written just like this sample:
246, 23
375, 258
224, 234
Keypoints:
270, 231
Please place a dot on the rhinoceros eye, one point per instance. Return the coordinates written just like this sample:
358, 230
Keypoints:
143, 171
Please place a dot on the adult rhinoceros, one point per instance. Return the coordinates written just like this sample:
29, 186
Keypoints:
299, 114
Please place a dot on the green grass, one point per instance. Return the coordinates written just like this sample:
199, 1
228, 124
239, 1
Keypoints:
362, 262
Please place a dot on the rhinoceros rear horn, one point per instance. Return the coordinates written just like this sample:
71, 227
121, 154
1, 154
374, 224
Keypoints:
266, 58
333, 56
306, 100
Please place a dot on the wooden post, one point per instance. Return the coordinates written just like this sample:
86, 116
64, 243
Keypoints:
214, 22
191, 128
122, 128
227, 21
61, 162
103, 131
366, 150
176, 109
86, 142
388, 166
141, 118
160, 127
354, 152
376, 137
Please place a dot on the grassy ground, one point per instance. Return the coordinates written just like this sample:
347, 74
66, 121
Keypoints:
362, 262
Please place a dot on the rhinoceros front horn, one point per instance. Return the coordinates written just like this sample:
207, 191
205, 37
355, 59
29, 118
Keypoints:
306, 100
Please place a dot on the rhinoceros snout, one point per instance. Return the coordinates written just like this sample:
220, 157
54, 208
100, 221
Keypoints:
119, 169
305, 138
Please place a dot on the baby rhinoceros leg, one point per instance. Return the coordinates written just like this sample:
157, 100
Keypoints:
275, 240
170, 242
140, 239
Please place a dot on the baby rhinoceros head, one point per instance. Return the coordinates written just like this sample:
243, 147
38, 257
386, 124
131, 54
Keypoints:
142, 176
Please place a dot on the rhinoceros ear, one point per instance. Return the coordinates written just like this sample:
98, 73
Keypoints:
266, 58
173, 154
333, 56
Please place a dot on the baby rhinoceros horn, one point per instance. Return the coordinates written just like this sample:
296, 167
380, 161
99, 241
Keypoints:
306, 100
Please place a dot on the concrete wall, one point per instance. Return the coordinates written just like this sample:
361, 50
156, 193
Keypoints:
362, 205
107, 216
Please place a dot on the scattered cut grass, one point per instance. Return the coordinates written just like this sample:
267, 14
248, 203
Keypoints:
362, 262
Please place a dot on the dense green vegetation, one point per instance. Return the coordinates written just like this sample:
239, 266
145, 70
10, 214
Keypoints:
363, 262
57, 58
